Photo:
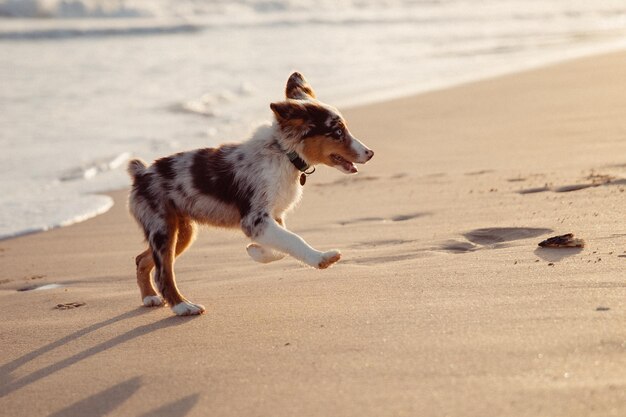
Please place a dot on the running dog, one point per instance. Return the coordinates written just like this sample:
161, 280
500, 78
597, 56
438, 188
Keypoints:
251, 185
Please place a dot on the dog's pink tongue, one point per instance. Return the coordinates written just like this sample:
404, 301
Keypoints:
349, 166
344, 163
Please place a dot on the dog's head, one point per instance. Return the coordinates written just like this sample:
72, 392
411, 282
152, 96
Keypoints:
320, 128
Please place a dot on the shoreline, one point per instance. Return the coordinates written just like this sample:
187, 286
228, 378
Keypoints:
442, 304
367, 100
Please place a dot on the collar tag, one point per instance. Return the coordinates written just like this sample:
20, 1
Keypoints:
305, 174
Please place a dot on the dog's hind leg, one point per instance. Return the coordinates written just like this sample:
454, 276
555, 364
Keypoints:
163, 243
145, 264
186, 234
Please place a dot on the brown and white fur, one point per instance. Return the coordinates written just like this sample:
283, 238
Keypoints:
251, 185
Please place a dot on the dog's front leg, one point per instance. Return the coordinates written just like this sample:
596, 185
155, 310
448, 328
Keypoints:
265, 255
267, 232
262, 254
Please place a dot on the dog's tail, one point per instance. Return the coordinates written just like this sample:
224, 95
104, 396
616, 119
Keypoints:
136, 167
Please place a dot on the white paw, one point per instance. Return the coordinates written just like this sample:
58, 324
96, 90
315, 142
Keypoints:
153, 301
263, 255
326, 259
188, 309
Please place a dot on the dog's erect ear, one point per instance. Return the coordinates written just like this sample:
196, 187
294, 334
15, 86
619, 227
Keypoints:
298, 88
289, 110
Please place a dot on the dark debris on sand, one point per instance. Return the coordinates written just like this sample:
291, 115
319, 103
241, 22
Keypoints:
563, 241
68, 306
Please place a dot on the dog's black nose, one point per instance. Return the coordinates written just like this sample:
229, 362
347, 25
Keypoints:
369, 153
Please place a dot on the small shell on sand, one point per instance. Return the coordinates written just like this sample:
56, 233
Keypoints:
563, 241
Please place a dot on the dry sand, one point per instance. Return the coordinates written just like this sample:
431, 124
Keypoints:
442, 305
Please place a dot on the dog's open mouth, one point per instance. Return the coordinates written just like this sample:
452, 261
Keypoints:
344, 163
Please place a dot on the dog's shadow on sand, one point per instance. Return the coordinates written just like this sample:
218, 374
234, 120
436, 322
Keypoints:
106, 401
9, 384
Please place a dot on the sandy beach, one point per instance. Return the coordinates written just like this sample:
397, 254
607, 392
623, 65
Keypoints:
442, 305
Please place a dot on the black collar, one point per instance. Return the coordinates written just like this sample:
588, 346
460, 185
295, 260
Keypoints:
299, 162
301, 165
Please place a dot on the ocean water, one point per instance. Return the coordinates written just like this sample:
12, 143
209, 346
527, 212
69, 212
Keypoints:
86, 84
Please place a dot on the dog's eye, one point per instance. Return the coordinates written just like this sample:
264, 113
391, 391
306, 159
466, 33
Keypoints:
337, 134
